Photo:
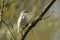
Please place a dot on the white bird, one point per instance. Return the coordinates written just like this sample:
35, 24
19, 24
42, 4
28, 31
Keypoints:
22, 20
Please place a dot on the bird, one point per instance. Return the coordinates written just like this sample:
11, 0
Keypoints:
22, 20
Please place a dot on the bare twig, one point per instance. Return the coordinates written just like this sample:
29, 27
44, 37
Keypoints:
8, 29
38, 19
2, 21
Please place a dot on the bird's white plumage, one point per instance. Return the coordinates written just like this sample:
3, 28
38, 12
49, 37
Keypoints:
21, 20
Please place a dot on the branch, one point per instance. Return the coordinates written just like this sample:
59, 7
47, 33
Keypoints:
38, 19
2, 10
8, 28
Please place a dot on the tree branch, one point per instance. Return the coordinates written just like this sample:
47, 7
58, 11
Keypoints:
38, 19
9, 29
2, 10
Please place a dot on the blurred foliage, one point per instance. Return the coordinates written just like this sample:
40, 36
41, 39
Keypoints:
46, 29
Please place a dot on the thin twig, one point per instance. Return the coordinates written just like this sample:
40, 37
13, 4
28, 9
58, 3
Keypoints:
8, 29
2, 11
38, 19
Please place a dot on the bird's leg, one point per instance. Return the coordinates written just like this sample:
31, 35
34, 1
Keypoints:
20, 31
